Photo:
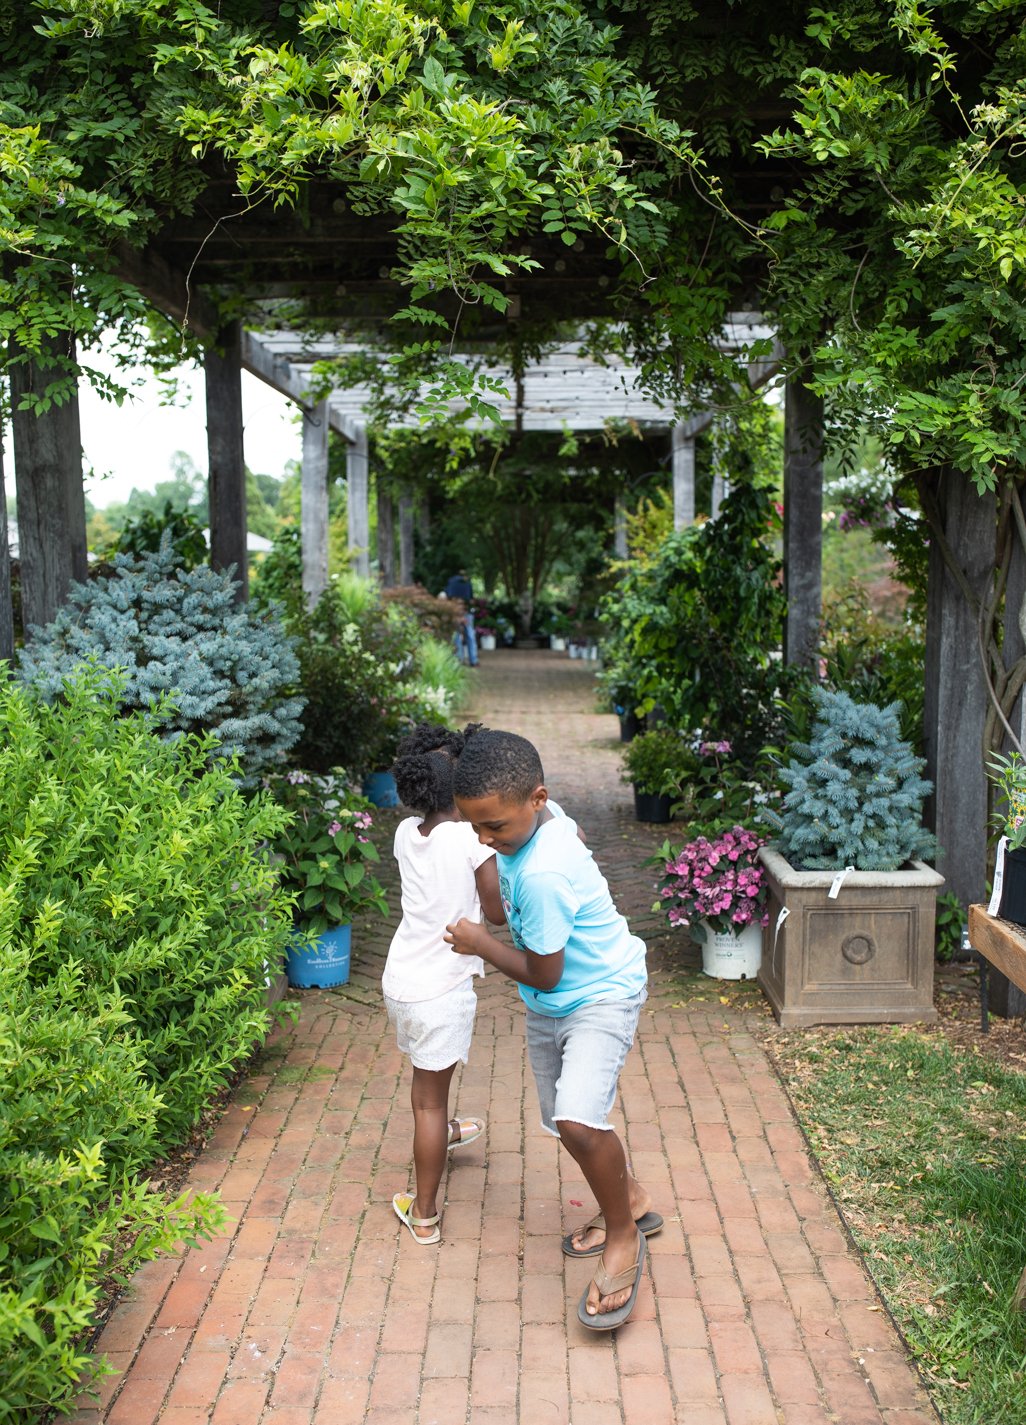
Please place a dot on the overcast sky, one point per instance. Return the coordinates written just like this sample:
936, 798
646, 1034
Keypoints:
132, 444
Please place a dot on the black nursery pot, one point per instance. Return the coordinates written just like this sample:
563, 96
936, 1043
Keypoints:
649, 806
629, 727
1013, 888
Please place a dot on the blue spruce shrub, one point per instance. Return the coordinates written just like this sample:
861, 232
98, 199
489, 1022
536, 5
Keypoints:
229, 669
855, 793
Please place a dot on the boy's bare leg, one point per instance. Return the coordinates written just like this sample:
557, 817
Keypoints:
429, 1096
586, 1237
599, 1154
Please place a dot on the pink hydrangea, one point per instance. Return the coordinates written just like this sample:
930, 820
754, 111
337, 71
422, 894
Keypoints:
721, 881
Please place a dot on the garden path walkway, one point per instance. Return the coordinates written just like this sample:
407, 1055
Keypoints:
316, 1308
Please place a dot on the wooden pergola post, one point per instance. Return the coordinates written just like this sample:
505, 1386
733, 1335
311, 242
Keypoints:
48, 482
386, 534
683, 466
956, 701
406, 537
620, 527
222, 368
313, 503
6, 605
803, 521
358, 501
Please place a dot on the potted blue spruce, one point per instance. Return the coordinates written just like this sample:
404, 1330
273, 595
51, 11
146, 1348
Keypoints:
850, 927
323, 857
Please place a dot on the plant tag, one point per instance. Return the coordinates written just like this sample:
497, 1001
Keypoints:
785, 911
838, 882
999, 876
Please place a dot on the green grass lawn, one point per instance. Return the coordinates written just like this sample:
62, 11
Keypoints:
924, 1147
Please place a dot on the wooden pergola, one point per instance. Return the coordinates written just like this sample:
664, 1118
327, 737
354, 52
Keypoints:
341, 265
567, 389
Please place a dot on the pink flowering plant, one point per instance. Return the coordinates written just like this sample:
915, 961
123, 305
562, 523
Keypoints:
719, 881
325, 851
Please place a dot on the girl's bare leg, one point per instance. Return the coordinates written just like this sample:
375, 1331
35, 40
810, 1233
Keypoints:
429, 1097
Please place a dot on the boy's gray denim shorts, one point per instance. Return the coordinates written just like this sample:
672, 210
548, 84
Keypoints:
577, 1059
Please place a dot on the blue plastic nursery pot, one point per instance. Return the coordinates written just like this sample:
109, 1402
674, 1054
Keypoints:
321, 963
379, 788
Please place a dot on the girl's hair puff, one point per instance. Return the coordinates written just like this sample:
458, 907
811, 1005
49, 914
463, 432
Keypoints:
424, 764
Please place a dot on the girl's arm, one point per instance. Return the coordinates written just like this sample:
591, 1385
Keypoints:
487, 878
537, 972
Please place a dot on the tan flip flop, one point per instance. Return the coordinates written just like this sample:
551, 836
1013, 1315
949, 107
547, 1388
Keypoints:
607, 1285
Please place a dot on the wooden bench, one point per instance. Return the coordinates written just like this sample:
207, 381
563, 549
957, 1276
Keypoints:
1003, 945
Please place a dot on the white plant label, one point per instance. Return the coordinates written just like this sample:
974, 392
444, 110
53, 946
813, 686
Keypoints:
838, 882
999, 876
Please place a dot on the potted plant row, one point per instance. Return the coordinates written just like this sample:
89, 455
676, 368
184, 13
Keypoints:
324, 858
651, 766
849, 933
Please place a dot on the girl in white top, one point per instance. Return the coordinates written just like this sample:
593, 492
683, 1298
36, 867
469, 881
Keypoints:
444, 872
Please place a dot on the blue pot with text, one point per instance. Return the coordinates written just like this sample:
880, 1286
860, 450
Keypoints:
320, 962
379, 789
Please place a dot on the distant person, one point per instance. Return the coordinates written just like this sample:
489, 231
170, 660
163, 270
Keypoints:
582, 975
460, 587
429, 991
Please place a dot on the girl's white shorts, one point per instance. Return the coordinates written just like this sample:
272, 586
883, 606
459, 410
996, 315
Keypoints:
435, 1032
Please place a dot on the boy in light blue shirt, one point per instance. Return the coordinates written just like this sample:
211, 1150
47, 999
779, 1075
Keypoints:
581, 974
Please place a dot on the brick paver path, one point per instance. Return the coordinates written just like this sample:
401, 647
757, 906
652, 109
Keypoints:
317, 1308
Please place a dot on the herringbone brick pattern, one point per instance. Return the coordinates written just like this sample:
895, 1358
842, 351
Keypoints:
317, 1308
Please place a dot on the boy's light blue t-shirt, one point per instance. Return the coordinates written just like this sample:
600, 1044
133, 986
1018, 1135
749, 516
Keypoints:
556, 898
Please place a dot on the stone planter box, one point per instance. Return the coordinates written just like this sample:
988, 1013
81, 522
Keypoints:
864, 957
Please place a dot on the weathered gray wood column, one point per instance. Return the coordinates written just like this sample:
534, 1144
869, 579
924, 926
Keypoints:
386, 535
955, 704
1013, 644
683, 465
226, 479
358, 502
1005, 998
48, 483
313, 503
620, 528
6, 606
406, 537
803, 521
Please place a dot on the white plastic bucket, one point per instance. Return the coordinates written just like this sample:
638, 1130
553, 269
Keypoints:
727, 955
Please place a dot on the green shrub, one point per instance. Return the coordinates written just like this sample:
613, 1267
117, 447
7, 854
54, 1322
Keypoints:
137, 916
695, 629
366, 678
175, 630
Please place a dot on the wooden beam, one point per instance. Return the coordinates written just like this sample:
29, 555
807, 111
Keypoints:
227, 470
999, 942
168, 289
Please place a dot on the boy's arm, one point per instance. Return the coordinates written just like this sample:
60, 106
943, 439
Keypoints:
487, 878
537, 972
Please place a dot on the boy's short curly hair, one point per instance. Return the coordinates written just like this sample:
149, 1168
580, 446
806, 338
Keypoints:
496, 763
424, 764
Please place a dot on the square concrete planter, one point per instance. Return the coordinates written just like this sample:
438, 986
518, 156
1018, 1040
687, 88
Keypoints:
864, 957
